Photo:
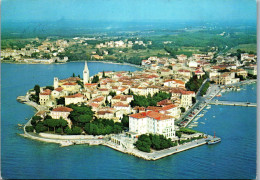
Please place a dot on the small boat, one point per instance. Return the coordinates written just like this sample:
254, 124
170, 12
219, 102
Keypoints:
214, 116
20, 125
214, 140
202, 122
218, 95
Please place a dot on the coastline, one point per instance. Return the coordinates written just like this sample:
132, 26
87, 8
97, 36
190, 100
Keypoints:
63, 140
108, 62
79, 139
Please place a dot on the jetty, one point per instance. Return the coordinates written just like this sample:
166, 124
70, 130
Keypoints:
233, 103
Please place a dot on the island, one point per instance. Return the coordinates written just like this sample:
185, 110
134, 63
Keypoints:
143, 113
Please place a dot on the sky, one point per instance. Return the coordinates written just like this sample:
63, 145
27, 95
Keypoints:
128, 10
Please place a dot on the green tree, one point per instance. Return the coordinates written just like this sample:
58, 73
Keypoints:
76, 130
95, 79
61, 100
125, 121
40, 127
63, 123
36, 118
117, 129
29, 128
112, 93
182, 109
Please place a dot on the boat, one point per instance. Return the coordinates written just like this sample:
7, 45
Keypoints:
20, 125
202, 122
214, 140
218, 95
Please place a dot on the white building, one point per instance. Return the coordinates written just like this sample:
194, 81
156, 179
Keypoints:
44, 96
152, 122
74, 99
61, 112
85, 74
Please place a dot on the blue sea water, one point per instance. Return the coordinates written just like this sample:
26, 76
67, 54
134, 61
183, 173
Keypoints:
234, 157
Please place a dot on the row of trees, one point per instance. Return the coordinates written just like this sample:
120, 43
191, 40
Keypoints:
47, 124
103, 127
194, 83
205, 88
149, 100
157, 142
80, 115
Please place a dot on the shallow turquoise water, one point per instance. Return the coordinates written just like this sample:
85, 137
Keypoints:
234, 157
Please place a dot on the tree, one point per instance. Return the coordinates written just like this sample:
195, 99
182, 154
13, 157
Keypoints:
103, 75
29, 128
73, 75
193, 100
178, 133
80, 83
84, 118
40, 127
37, 89
61, 100
95, 79
182, 109
117, 129
63, 123
125, 121
76, 130
36, 118
112, 93
49, 87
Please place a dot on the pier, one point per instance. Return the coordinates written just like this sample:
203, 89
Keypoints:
233, 103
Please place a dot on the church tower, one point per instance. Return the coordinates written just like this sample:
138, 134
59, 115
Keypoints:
85, 74
55, 82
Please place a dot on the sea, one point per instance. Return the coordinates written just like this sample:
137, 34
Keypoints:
21, 158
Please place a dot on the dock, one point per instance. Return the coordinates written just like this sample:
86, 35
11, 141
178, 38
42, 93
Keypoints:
233, 103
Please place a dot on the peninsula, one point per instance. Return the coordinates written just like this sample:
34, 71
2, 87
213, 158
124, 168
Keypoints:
143, 113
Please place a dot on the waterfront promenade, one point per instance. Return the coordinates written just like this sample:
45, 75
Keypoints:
233, 103
207, 99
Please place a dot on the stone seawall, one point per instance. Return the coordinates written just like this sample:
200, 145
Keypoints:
71, 137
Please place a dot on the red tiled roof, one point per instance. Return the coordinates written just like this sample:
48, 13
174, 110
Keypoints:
90, 84
46, 92
188, 92
94, 105
59, 89
120, 104
70, 79
183, 70
99, 99
104, 112
70, 84
75, 95
151, 114
62, 109
179, 81
168, 107
164, 102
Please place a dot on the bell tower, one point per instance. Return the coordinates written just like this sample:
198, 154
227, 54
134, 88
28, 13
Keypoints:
85, 73
55, 82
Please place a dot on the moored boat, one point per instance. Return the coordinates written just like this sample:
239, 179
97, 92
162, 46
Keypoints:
214, 140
